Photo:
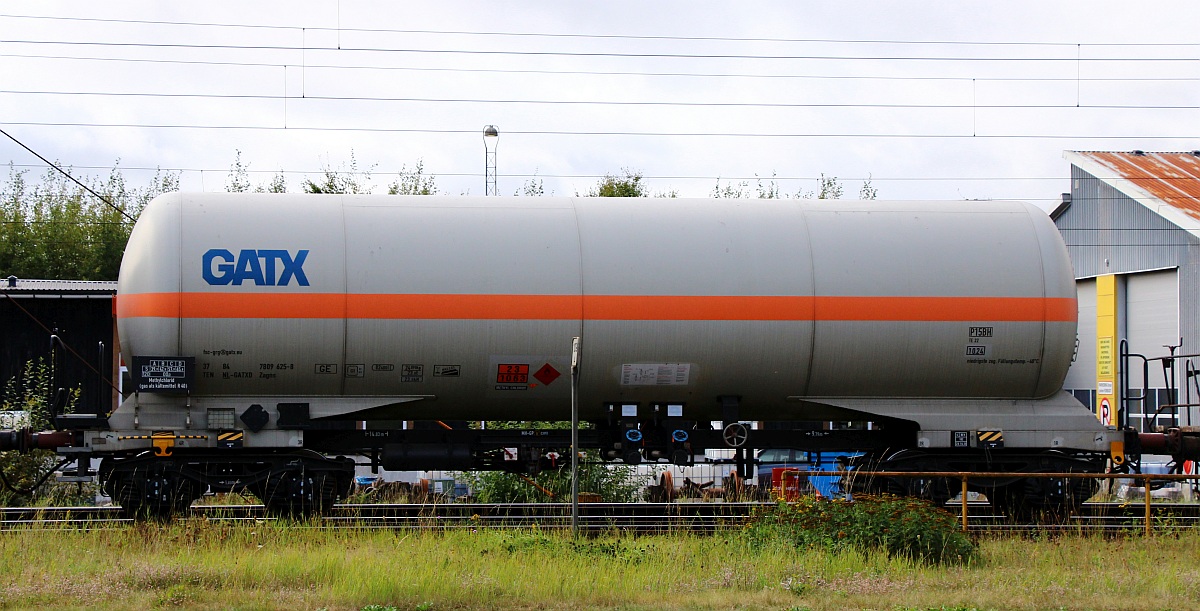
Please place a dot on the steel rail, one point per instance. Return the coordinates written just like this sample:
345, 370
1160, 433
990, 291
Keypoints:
704, 517
641, 518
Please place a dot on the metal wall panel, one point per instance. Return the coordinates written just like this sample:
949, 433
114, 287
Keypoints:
1082, 375
1151, 319
1107, 231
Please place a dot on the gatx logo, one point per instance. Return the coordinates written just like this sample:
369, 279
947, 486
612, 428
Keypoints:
264, 267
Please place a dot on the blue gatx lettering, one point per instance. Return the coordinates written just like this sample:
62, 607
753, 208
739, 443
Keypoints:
257, 267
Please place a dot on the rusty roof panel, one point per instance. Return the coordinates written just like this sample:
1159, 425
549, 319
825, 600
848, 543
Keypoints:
76, 288
1173, 178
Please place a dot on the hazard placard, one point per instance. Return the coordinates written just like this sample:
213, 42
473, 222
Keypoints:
512, 373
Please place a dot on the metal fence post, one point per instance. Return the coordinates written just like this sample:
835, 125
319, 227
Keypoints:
964, 502
1146, 484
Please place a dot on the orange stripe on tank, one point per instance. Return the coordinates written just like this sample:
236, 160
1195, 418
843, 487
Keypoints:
594, 307
1000, 309
715, 307
473, 307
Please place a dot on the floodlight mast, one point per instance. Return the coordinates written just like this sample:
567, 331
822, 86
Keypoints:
491, 137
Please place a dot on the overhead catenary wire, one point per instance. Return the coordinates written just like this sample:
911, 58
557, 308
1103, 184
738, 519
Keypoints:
327, 98
587, 36
295, 40
530, 132
605, 54
733, 75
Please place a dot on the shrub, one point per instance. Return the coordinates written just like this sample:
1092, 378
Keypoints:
24, 402
614, 483
897, 526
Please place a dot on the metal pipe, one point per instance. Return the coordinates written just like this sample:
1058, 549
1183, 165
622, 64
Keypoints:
575, 436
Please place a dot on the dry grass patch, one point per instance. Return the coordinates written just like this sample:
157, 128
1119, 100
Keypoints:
195, 564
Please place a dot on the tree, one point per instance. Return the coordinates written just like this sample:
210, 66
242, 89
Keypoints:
532, 187
54, 228
413, 182
770, 190
629, 184
830, 188
278, 184
731, 190
868, 191
346, 181
239, 179
735, 190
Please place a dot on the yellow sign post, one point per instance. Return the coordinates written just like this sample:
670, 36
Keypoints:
1107, 368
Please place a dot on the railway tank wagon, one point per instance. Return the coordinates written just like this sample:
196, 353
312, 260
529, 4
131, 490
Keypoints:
271, 333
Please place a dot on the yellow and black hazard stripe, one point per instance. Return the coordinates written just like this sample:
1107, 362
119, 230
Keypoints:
990, 439
163, 442
161, 435
230, 439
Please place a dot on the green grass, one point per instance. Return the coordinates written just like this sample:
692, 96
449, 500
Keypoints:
196, 564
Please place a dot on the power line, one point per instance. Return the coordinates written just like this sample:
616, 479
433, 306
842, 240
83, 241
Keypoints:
218, 96
457, 174
487, 52
414, 130
741, 75
598, 36
68, 175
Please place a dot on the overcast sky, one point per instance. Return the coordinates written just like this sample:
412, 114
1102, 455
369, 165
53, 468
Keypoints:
933, 100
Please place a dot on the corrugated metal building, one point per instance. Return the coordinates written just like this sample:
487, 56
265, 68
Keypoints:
1135, 216
81, 314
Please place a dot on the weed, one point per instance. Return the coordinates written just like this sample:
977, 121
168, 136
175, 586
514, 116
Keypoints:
175, 596
901, 527
620, 550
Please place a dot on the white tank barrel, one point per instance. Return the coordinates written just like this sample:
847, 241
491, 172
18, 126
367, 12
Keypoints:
464, 308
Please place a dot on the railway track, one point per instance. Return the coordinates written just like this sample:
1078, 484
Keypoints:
643, 518
633, 517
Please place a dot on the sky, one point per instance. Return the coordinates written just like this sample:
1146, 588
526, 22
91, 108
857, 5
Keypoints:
927, 99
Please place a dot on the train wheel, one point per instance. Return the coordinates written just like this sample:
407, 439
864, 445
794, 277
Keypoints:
1049, 500
149, 489
298, 494
1009, 500
934, 489
664, 491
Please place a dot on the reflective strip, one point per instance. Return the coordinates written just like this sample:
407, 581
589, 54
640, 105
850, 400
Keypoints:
594, 307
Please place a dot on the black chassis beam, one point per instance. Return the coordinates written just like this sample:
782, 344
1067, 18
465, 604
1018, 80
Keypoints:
483, 445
